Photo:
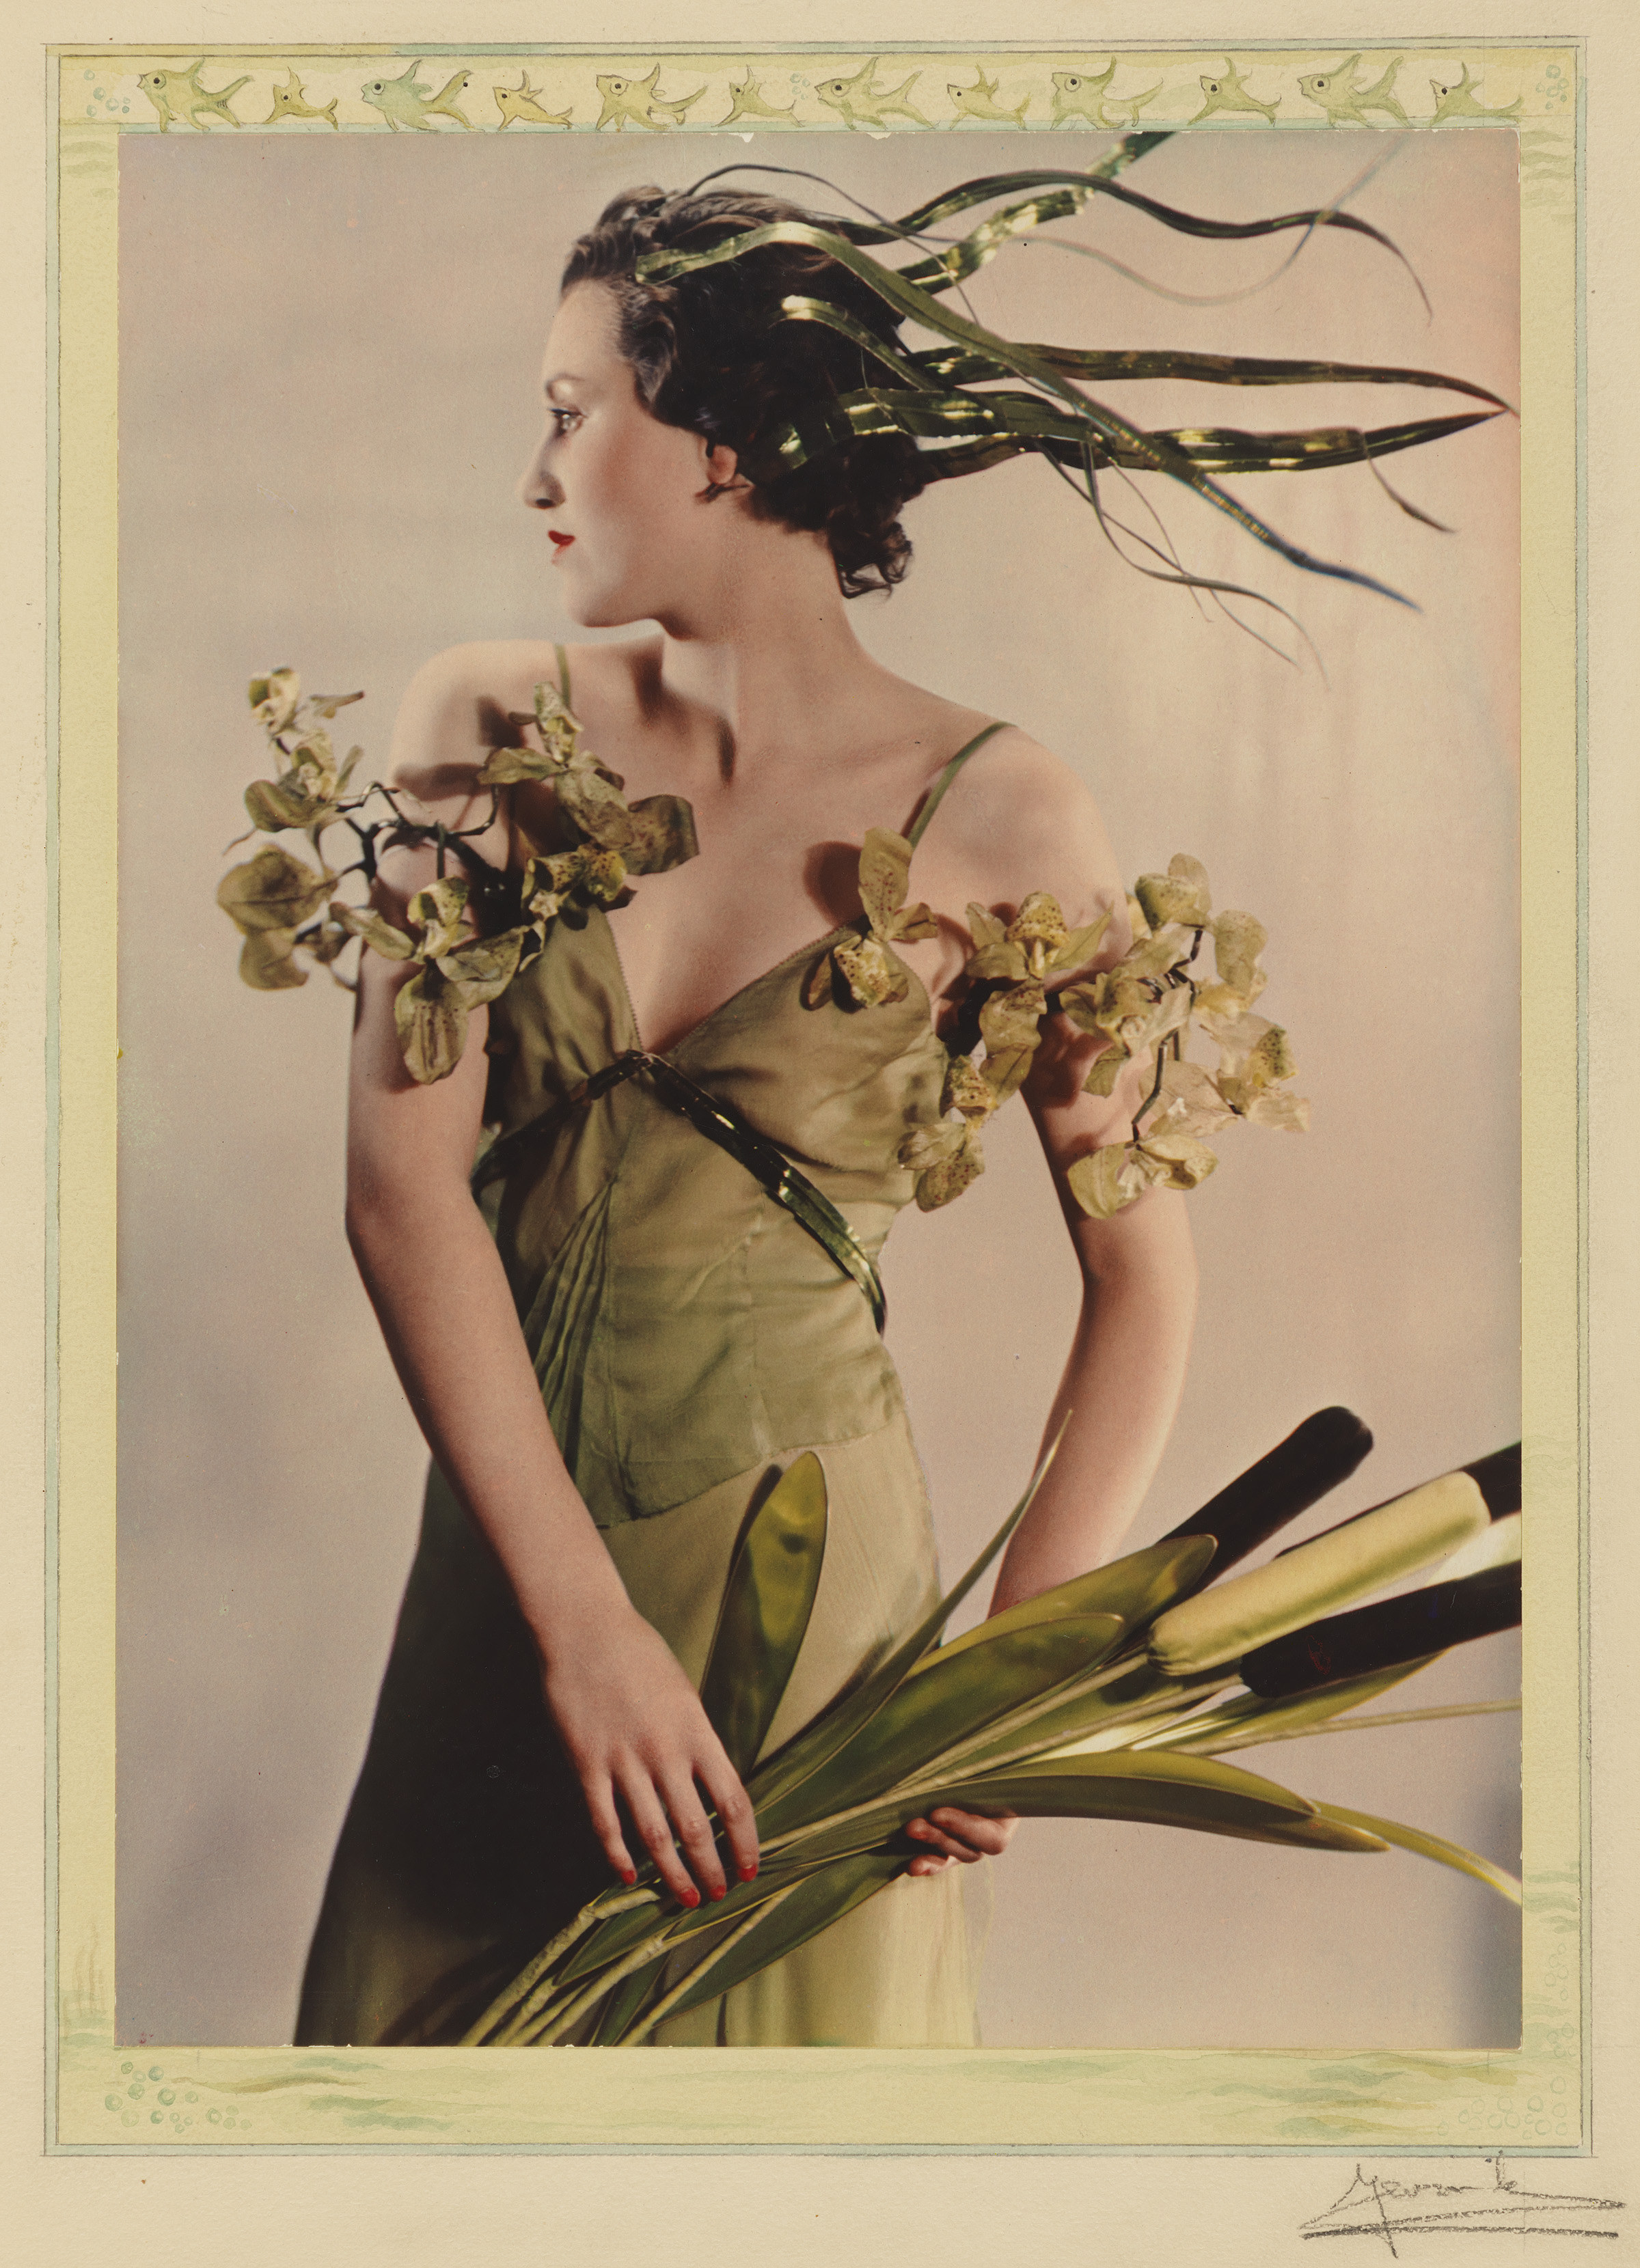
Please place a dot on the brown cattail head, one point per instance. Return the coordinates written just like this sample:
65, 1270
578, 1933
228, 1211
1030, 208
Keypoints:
1315, 1457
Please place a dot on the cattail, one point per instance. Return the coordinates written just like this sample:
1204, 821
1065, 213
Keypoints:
1384, 1634
1498, 1479
1494, 1547
1317, 1456
1331, 1571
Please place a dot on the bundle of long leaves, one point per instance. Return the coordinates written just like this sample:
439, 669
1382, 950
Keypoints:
1110, 1697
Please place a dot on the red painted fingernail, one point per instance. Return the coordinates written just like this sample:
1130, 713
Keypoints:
690, 1897
628, 1876
720, 1892
749, 1874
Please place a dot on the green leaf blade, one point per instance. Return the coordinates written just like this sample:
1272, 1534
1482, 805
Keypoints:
1161, 1791
1248, 1720
1135, 1588
811, 1906
952, 1697
767, 1603
1427, 1847
826, 1734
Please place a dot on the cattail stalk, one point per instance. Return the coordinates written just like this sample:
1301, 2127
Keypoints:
1331, 1572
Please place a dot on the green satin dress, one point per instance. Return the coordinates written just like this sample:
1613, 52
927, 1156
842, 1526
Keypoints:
691, 1338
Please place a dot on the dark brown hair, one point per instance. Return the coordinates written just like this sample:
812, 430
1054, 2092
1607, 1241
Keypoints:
710, 352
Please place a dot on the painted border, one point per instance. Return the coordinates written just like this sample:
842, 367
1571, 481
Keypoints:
1527, 85
722, 2100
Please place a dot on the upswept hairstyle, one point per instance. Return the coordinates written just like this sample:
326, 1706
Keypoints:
710, 353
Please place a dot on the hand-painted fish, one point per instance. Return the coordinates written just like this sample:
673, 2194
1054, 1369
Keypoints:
179, 98
862, 104
520, 102
403, 101
1076, 94
979, 101
746, 100
290, 102
1227, 92
1124, 109
1335, 92
634, 102
1459, 102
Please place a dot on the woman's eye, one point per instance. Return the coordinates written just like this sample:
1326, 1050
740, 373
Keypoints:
562, 418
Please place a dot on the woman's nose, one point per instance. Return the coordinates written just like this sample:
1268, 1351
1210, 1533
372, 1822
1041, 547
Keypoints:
539, 488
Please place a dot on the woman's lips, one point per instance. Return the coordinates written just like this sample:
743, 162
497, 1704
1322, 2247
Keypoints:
560, 543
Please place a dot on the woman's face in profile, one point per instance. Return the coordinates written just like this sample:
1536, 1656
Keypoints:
621, 492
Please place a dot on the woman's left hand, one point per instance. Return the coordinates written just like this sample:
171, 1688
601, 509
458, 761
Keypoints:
949, 1836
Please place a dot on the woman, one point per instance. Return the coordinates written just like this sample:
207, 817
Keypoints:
683, 1337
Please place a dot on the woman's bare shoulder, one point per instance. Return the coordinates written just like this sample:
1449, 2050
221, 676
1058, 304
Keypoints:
1020, 818
485, 663
454, 709
448, 716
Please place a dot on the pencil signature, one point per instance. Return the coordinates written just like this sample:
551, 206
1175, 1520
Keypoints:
1375, 2205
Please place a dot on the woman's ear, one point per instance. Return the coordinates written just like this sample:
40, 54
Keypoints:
724, 477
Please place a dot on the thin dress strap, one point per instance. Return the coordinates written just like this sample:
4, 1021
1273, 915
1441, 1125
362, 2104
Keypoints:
931, 801
564, 675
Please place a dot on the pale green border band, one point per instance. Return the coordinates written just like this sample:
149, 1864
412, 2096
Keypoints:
301, 88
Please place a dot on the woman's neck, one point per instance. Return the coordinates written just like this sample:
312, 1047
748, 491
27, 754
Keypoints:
767, 663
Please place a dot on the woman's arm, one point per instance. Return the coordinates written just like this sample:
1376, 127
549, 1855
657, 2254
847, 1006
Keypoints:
1120, 1389
1122, 1383
631, 1722
1018, 822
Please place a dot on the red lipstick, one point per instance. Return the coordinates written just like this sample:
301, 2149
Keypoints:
560, 542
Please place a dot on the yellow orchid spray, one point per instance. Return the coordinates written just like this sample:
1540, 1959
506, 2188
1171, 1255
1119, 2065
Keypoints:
468, 934
1014, 964
866, 967
1142, 1007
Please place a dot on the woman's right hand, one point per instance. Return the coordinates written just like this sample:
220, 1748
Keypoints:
634, 1729
628, 1717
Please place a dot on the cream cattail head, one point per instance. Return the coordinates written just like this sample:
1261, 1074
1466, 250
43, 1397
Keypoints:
1336, 1570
